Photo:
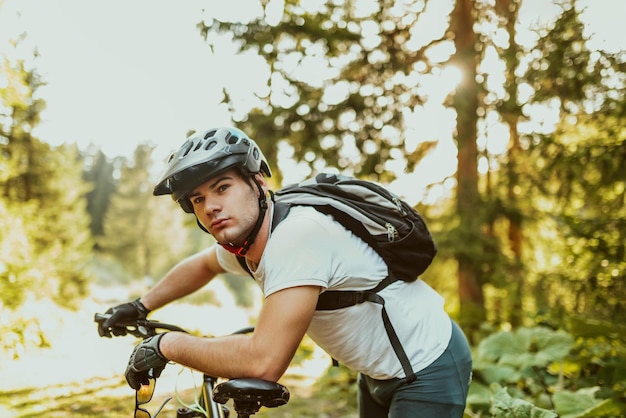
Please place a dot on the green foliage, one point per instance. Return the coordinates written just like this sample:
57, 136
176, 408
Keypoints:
44, 239
599, 358
42, 190
564, 67
16, 252
357, 128
584, 218
538, 371
338, 384
576, 175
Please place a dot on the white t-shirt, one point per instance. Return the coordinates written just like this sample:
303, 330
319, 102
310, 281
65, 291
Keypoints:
310, 248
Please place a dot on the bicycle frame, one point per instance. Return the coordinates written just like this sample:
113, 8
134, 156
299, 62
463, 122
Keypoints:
248, 394
212, 408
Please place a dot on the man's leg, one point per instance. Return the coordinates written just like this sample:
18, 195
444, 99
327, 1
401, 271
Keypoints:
422, 409
440, 390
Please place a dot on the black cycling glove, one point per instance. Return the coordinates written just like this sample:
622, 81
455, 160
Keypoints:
145, 361
120, 316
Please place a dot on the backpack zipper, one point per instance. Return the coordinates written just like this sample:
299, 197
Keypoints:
392, 232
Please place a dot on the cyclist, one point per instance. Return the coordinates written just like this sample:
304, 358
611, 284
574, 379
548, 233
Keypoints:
219, 175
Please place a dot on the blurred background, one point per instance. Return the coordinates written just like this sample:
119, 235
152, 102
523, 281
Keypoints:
502, 121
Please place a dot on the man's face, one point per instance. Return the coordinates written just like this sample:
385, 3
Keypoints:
227, 206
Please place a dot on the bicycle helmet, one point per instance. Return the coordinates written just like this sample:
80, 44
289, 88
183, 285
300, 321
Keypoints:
204, 155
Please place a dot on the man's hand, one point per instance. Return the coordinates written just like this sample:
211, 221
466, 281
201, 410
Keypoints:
145, 361
121, 316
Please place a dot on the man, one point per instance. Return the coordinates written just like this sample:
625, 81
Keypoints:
219, 175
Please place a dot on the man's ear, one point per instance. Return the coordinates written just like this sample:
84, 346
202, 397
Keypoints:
261, 180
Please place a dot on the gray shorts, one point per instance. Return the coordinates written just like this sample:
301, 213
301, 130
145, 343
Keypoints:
440, 390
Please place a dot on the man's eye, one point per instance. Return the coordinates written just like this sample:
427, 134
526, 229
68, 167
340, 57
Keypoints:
197, 200
223, 188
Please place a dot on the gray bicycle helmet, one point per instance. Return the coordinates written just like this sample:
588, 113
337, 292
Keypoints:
204, 155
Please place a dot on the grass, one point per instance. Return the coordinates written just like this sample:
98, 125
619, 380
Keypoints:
93, 398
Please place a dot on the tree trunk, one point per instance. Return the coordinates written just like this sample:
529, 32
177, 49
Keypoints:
471, 296
511, 113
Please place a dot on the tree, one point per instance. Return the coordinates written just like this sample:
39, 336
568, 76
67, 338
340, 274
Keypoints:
471, 221
144, 233
42, 191
578, 171
44, 239
344, 86
99, 172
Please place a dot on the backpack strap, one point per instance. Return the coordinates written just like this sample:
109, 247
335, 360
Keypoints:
337, 299
397, 346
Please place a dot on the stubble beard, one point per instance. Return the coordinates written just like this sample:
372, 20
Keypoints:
240, 233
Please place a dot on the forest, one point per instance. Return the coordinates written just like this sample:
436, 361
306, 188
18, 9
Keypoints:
530, 224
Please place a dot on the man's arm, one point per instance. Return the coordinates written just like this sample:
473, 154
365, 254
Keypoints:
266, 354
184, 278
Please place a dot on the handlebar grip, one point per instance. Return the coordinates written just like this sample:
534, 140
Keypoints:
98, 317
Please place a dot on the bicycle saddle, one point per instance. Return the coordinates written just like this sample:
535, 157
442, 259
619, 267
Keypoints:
251, 393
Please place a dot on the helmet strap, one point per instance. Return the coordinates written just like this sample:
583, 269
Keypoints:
243, 249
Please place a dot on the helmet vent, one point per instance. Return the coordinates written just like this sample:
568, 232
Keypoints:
210, 134
231, 139
187, 148
210, 145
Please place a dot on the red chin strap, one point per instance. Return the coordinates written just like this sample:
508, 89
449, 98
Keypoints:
263, 205
239, 251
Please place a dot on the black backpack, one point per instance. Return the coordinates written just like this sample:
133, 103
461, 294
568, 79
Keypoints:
389, 225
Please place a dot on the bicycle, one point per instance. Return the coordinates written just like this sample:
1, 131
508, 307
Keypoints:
248, 394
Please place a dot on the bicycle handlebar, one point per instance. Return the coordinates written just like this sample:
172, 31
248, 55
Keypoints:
141, 328
144, 328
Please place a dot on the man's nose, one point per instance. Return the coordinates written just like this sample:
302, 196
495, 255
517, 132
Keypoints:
211, 206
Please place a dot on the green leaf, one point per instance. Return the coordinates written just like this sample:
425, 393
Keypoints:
503, 405
525, 347
499, 374
569, 404
583, 404
606, 408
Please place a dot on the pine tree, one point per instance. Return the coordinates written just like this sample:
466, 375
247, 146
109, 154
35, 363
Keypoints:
144, 233
98, 172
